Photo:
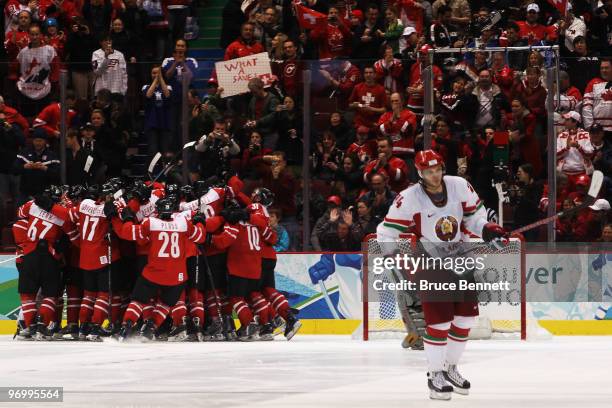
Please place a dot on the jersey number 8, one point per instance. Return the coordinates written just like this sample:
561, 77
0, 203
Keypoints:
169, 240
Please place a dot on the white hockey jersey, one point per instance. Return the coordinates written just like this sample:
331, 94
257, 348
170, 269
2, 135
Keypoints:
574, 160
597, 106
110, 72
413, 211
35, 66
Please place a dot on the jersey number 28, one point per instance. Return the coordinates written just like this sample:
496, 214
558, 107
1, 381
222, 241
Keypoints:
170, 241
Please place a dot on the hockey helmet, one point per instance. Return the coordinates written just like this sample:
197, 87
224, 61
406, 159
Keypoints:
583, 180
93, 191
172, 190
54, 193
165, 208
263, 196
76, 192
424, 50
187, 192
107, 188
427, 159
140, 191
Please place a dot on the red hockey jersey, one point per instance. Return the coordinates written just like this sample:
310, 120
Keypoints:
374, 96
244, 249
46, 225
400, 129
93, 231
261, 219
167, 246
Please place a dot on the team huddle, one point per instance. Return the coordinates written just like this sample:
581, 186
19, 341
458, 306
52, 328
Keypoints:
158, 262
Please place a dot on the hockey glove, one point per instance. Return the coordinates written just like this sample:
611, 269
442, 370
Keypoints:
322, 269
493, 231
127, 215
199, 218
110, 210
43, 201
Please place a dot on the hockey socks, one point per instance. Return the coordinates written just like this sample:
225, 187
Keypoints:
435, 340
457, 338
179, 311
260, 307
116, 309
196, 304
147, 310
278, 301
59, 309
242, 310
160, 313
28, 308
100, 311
133, 312
87, 306
74, 294
47, 310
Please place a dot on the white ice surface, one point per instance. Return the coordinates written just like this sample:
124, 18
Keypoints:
309, 371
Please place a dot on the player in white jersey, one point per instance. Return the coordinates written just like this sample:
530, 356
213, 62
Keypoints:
439, 209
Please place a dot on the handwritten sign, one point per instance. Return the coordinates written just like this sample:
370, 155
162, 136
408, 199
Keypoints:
234, 75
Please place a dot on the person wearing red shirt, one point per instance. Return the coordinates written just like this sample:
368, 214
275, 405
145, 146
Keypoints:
411, 13
394, 168
502, 74
400, 125
533, 32
416, 88
521, 124
245, 45
333, 37
531, 91
49, 117
340, 78
369, 99
362, 147
290, 71
16, 39
62, 10
389, 70
14, 117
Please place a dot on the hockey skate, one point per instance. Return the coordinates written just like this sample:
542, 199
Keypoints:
229, 329
439, 389
24, 333
126, 331
460, 384
248, 333
95, 333
84, 330
147, 332
196, 333
68, 332
266, 332
214, 332
278, 324
178, 333
293, 325
45, 333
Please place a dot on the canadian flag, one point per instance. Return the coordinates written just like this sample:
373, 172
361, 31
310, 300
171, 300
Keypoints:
308, 18
561, 5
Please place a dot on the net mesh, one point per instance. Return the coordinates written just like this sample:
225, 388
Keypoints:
499, 313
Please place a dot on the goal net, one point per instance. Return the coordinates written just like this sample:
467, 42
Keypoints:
502, 314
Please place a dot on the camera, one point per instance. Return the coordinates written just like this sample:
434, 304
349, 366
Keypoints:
477, 27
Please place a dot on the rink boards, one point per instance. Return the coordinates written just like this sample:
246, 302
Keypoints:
334, 306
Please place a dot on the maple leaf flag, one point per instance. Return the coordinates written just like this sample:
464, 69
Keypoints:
561, 5
308, 18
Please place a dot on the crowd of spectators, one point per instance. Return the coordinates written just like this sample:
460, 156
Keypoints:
127, 63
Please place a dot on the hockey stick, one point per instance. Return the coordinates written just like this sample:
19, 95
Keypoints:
330, 305
596, 182
11, 259
153, 163
170, 164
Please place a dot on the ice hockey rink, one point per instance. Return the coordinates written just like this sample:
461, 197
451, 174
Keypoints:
309, 371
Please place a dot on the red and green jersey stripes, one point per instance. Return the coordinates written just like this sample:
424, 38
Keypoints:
472, 209
400, 225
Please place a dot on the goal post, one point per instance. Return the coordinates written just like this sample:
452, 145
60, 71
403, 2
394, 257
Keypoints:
505, 313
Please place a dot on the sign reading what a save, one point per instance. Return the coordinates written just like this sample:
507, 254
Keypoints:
234, 75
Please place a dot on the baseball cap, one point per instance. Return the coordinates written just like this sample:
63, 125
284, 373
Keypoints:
572, 115
533, 7
596, 127
408, 31
51, 22
335, 200
39, 133
87, 126
213, 82
600, 205
363, 129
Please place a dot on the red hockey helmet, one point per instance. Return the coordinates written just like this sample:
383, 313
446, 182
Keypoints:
427, 159
424, 50
583, 180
